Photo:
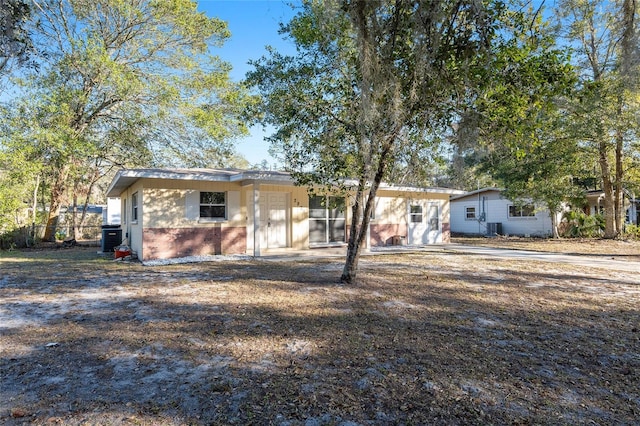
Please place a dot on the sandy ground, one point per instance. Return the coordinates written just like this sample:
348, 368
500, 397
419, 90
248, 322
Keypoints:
432, 338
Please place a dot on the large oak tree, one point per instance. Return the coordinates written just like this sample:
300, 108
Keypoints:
604, 36
122, 83
372, 84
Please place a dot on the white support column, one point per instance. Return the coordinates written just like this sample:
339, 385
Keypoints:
256, 219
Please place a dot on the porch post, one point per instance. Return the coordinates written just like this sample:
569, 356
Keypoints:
256, 219
367, 244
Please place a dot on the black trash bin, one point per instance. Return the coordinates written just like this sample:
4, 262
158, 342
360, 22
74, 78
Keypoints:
111, 237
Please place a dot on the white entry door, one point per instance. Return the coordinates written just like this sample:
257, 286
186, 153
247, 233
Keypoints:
417, 223
273, 220
424, 222
433, 224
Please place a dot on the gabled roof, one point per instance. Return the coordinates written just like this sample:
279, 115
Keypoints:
127, 177
476, 193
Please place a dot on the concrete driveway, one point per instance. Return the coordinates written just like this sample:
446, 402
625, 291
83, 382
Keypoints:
610, 262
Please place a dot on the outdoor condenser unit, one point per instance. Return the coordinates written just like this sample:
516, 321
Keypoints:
494, 228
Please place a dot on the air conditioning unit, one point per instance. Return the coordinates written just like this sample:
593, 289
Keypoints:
493, 229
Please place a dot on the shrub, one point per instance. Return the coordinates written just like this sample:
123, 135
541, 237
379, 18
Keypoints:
632, 231
582, 225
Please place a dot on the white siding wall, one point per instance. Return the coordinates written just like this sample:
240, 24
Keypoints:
496, 210
459, 222
538, 225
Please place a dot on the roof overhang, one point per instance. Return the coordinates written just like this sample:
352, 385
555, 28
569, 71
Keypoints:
429, 189
476, 192
263, 177
128, 177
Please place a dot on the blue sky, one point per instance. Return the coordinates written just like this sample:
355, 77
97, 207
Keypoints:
253, 24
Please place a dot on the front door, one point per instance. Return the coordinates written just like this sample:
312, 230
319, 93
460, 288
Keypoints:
433, 218
273, 220
424, 222
417, 223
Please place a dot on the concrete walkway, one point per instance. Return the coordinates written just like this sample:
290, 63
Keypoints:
610, 262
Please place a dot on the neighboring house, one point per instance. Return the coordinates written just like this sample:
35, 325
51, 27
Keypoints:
487, 212
169, 213
595, 205
93, 216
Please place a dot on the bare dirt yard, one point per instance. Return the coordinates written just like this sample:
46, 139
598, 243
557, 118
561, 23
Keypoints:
423, 338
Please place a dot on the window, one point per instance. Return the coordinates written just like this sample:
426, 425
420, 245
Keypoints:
434, 217
134, 207
470, 213
213, 205
327, 222
526, 210
415, 214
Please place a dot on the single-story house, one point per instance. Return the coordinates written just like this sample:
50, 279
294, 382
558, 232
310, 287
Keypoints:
595, 205
168, 213
486, 212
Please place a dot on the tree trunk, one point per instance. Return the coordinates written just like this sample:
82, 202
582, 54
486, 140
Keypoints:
350, 270
553, 214
31, 235
607, 189
74, 219
52, 222
358, 231
618, 189
57, 193
359, 225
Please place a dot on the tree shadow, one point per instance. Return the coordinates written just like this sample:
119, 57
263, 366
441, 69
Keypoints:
256, 342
